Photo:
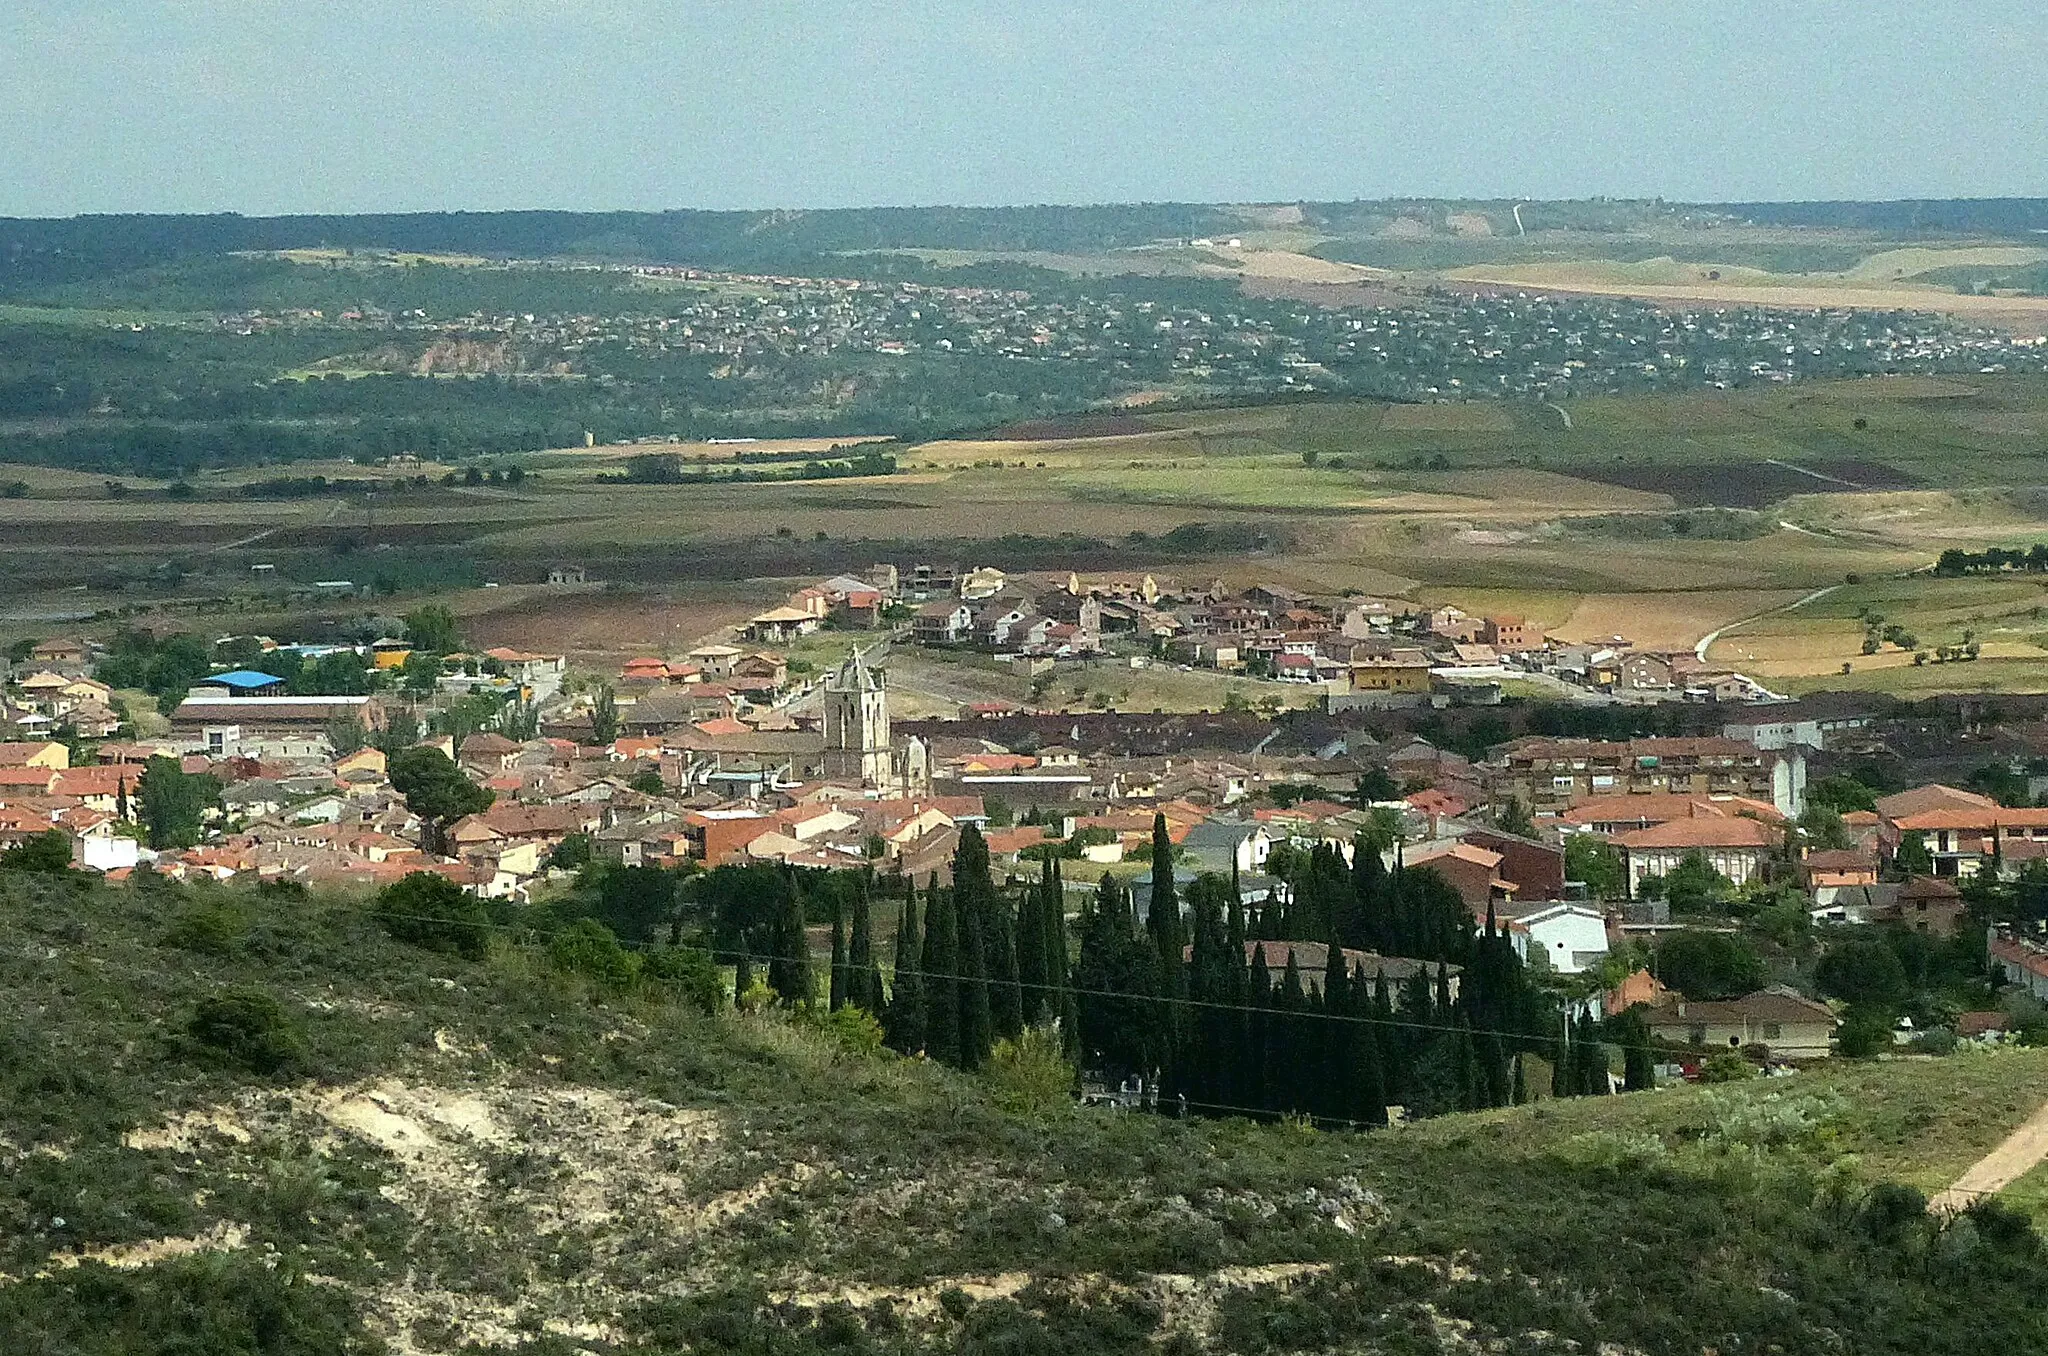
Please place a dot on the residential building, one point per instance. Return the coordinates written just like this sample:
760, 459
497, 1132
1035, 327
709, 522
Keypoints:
1790, 1025
1737, 848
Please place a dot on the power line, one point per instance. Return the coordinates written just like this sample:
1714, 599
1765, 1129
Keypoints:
730, 956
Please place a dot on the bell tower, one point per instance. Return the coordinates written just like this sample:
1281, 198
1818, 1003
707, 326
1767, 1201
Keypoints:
857, 724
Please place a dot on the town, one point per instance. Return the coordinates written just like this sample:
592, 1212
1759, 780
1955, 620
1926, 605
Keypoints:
1606, 863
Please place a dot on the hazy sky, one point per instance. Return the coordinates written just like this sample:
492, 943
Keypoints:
356, 105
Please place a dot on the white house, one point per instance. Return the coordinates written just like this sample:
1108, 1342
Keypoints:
1570, 937
101, 849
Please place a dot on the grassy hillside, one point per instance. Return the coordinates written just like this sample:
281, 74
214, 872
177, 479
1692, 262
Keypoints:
433, 1153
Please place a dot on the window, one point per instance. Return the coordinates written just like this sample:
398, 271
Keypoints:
1698, 1035
1561, 783
1773, 1031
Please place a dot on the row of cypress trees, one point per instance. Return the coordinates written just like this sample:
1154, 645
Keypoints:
1184, 1003
975, 968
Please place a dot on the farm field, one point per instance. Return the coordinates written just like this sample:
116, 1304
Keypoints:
2006, 618
1660, 518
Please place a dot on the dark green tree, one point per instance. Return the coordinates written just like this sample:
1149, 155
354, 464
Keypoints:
436, 790
1863, 971
836, 988
863, 975
432, 628
604, 716
175, 802
905, 1020
48, 852
1706, 965
941, 976
789, 966
427, 909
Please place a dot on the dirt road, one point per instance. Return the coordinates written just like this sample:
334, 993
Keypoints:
2000, 1168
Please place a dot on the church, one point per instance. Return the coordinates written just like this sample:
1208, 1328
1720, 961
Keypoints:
856, 730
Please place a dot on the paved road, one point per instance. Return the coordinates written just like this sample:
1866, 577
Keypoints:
2000, 1168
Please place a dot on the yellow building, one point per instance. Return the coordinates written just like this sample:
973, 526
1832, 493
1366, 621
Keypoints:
1397, 674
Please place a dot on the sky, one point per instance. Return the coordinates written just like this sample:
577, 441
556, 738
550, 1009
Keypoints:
265, 106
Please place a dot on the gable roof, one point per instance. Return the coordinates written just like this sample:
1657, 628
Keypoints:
1924, 799
1703, 833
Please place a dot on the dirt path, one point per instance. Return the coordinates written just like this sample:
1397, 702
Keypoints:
2000, 1168
1707, 641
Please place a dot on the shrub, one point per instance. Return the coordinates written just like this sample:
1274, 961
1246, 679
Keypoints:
209, 928
48, 853
1030, 1075
248, 1027
1865, 1033
1726, 1067
850, 1028
587, 948
430, 910
686, 974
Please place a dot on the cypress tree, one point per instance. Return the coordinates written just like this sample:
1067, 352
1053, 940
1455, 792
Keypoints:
1493, 1069
1254, 1074
1367, 924
1339, 1049
1386, 1039
906, 994
977, 1020
1286, 1047
863, 976
1163, 923
742, 976
1030, 947
789, 969
941, 976
1057, 968
836, 990
1520, 1093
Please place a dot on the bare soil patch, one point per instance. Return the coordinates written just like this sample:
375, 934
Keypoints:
1751, 485
592, 625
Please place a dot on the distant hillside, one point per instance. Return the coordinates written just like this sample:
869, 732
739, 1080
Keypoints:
40, 251
240, 1121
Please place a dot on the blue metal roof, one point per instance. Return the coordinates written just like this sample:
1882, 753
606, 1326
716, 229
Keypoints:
244, 678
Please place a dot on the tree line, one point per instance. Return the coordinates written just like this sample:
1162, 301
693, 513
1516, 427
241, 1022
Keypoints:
1207, 1009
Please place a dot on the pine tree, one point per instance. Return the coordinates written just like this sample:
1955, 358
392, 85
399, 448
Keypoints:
906, 992
836, 987
941, 976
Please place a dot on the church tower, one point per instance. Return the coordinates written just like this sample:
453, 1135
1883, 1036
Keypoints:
857, 724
